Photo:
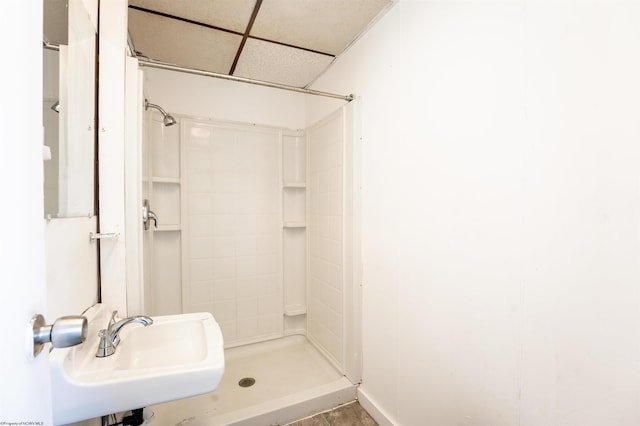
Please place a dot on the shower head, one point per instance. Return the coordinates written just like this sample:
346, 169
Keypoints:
168, 119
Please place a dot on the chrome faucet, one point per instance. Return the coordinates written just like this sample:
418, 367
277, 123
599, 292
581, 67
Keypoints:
110, 337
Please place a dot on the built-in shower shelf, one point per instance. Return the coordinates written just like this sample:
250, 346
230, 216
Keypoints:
295, 225
159, 179
165, 228
294, 185
295, 310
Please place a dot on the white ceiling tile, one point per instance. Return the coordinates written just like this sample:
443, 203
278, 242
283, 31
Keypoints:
272, 62
323, 25
229, 14
177, 42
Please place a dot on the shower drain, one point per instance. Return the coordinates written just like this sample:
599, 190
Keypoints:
246, 382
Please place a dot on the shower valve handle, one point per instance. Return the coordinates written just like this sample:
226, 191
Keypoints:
148, 215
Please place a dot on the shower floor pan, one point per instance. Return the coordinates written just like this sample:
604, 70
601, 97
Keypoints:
292, 380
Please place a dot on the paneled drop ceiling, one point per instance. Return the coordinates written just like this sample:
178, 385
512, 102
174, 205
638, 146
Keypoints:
287, 42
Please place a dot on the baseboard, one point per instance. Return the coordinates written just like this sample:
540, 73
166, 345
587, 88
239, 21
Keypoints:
374, 410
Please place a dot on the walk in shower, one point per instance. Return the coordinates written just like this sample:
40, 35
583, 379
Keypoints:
259, 226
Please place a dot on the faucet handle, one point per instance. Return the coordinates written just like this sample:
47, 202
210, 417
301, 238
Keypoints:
112, 321
105, 347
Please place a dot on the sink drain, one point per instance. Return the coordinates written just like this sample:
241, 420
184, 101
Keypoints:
246, 382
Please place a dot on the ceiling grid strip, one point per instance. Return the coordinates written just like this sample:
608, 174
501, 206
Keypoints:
185, 20
254, 14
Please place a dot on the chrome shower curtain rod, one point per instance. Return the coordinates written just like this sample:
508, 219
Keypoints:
165, 66
171, 67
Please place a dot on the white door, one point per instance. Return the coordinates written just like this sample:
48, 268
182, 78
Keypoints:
25, 394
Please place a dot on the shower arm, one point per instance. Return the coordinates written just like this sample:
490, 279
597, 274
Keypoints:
148, 105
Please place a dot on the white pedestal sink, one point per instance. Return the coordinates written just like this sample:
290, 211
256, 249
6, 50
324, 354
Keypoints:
177, 356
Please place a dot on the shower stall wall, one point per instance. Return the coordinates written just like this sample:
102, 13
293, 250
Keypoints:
232, 249
333, 276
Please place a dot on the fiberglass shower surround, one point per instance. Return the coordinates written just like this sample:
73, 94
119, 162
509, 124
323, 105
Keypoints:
256, 225
253, 228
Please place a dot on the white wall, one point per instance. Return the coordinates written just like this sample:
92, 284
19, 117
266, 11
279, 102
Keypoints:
72, 266
206, 97
500, 203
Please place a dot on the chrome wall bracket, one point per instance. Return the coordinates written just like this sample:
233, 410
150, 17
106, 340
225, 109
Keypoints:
100, 236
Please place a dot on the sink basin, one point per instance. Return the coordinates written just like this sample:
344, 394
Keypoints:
177, 356
148, 347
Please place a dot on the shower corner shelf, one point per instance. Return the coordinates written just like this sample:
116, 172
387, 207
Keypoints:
294, 185
294, 225
295, 310
165, 228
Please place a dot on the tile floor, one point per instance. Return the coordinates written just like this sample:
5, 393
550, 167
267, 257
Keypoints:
348, 415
